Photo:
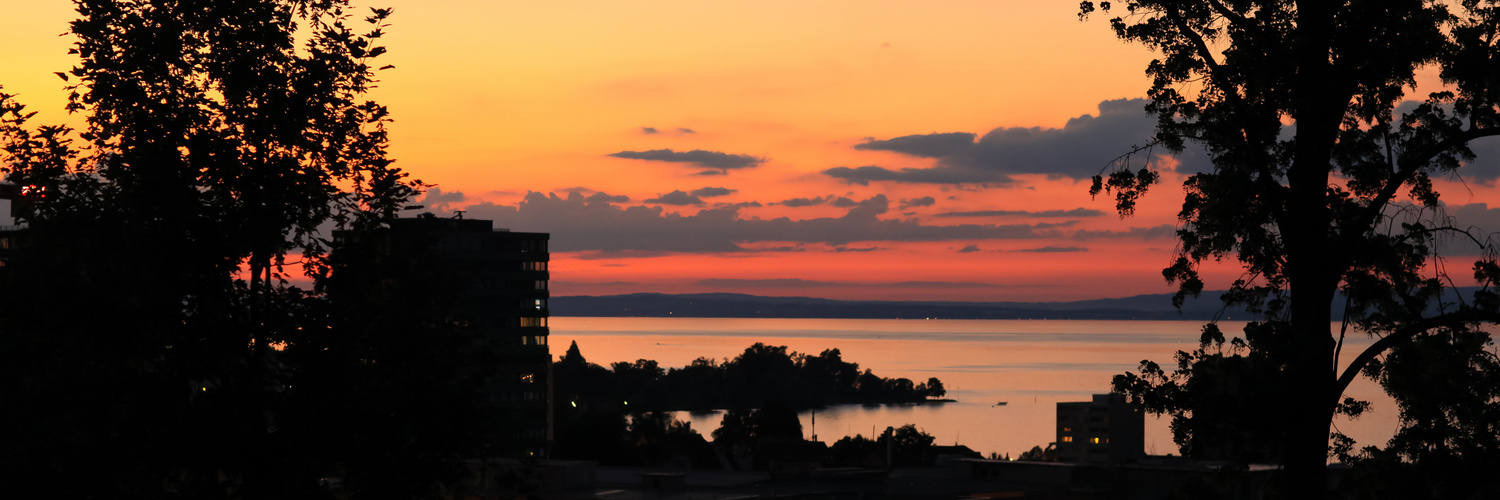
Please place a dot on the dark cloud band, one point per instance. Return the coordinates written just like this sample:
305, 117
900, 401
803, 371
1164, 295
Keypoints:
578, 224
1080, 149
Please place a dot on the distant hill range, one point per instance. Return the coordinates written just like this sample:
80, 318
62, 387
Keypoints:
733, 305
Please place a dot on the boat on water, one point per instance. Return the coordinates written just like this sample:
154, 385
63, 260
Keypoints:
1002, 403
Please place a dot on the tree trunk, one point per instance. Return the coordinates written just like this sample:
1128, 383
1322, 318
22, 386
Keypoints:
1309, 380
1311, 273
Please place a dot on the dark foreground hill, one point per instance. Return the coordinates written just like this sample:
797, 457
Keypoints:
733, 305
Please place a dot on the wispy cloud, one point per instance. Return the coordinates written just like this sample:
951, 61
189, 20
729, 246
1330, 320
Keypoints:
802, 283
607, 198
1162, 231
578, 225
1076, 212
675, 198
925, 201
1052, 249
710, 192
706, 159
804, 202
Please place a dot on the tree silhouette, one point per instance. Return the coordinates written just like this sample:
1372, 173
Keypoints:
150, 290
908, 446
1300, 106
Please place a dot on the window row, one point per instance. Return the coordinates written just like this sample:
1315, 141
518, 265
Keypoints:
517, 396
1094, 440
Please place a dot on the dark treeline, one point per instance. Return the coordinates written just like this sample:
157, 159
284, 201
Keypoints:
616, 415
758, 377
769, 438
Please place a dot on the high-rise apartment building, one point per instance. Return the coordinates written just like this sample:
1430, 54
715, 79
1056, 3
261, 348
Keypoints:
496, 281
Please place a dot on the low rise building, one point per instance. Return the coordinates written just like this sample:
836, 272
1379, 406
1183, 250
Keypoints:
1106, 429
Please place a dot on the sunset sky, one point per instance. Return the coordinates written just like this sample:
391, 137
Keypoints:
841, 149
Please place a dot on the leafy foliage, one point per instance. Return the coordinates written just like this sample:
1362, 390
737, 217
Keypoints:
908, 446
1302, 108
1036, 454
151, 326
1450, 412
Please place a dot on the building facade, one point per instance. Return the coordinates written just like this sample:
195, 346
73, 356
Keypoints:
1106, 429
495, 282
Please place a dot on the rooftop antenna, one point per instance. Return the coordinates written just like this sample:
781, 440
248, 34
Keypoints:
458, 214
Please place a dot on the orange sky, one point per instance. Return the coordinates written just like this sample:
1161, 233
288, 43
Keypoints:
496, 99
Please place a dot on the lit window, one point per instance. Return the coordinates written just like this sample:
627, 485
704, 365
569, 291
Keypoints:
541, 284
533, 322
1094, 440
527, 378
540, 304
1067, 439
1067, 429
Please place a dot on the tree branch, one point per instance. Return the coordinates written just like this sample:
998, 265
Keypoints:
1452, 229
1402, 335
1407, 170
1223, 10
1204, 53
1220, 80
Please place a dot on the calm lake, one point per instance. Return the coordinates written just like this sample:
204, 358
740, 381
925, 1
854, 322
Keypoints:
1029, 364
